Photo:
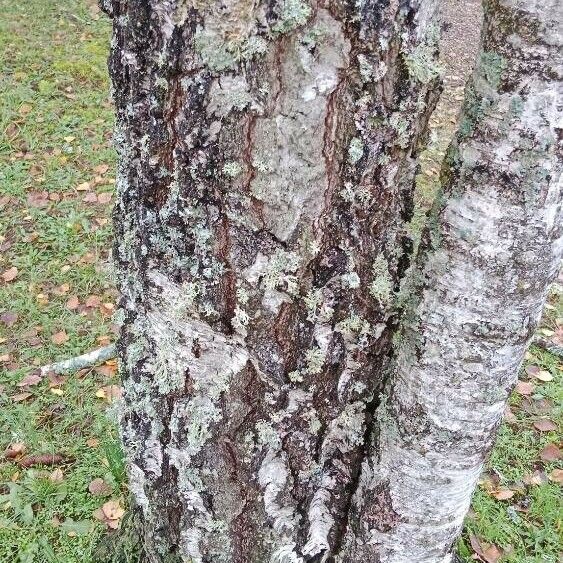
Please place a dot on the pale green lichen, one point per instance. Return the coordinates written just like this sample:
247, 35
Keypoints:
267, 435
232, 169
280, 270
422, 60
491, 66
382, 284
401, 127
355, 150
315, 359
351, 280
293, 14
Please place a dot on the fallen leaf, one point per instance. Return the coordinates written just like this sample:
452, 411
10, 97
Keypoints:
40, 459
93, 301
545, 425
535, 478
90, 197
550, 453
57, 476
101, 168
9, 318
110, 393
492, 554
59, 338
10, 274
509, 416
84, 187
110, 514
543, 375
104, 197
557, 476
19, 397
57, 392
525, 388
14, 450
99, 488
30, 379
72, 303
55, 380
503, 494
92, 442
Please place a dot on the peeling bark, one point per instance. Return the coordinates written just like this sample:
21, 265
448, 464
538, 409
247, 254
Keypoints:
492, 247
266, 160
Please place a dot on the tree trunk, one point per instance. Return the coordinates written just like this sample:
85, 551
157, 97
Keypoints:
493, 245
266, 161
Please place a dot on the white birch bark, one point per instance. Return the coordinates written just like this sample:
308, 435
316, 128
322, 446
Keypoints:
494, 246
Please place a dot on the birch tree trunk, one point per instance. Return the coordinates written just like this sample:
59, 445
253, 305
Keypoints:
492, 248
266, 161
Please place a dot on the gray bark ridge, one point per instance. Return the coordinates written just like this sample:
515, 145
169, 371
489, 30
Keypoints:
267, 152
493, 246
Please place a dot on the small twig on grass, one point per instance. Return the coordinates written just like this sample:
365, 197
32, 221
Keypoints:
81, 362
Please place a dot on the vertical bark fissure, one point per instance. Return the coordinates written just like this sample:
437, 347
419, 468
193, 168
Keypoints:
492, 246
266, 158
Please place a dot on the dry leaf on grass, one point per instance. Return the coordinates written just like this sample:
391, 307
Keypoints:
525, 388
14, 450
10, 274
110, 514
30, 379
545, 425
550, 453
503, 494
59, 338
99, 488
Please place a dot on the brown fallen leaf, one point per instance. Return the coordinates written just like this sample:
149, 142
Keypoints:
56, 476
503, 494
110, 514
10, 274
101, 168
14, 450
9, 318
72, 303
556, 476
92, 442
509, 416
492, 554
109, 392
550, 453
55, 380
524, 388
545, 425
59, 338
40, 459
19, 397
30, 379
93, 301
99, 488
535, 478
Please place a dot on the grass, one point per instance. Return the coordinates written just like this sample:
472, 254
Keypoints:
55, 151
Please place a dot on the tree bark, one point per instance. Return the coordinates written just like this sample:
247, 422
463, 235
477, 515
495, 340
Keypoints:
493, 246
266, 167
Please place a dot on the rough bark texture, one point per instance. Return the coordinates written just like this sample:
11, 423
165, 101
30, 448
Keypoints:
493, 246
267, 154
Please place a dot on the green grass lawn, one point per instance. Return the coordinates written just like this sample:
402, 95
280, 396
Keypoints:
56, 301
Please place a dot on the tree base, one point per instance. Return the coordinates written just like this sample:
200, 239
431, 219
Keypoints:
124, 545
